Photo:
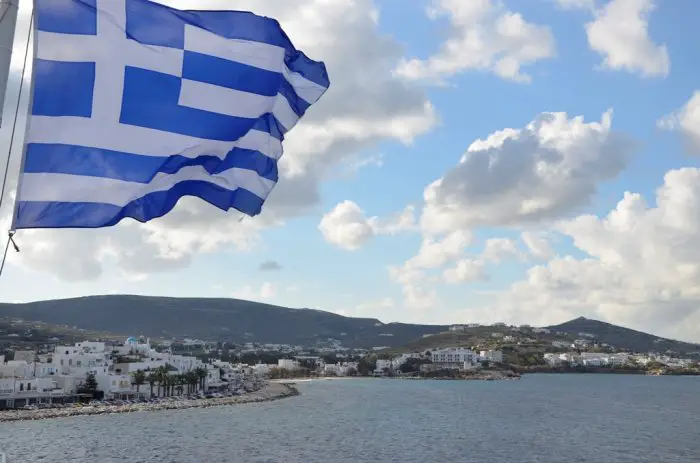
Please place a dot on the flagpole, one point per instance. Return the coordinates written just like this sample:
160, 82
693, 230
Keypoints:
30, 36
8, 24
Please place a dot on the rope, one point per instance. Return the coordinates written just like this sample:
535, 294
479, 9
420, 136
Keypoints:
10, 240
10, 234
14, 123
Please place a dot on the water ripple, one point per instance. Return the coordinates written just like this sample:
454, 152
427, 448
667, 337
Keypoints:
540, 419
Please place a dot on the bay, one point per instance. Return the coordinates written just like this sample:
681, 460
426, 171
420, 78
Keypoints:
541, 418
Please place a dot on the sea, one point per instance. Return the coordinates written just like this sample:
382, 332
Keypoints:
560, 418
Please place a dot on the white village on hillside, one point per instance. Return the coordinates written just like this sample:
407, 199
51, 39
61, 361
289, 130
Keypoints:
136, 371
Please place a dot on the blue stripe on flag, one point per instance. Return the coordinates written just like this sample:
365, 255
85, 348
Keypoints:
311, 70
151, 100
66, 16
96, 215
96, 162
238, 76
62, 88
229, 74
243, 25
239, 25
298, 105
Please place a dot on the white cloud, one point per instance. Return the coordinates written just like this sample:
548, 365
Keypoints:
436, 253
485, 36
642, 267
687, 121
265, 292
575, 4
620, 34
365, 105
537, 244
547, 169
347, 227
420, 297
375, 160
534, 175
499, 249
466, 271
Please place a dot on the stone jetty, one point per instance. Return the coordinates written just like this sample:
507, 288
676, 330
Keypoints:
269, 392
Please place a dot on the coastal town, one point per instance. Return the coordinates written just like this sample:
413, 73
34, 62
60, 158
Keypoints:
108, 376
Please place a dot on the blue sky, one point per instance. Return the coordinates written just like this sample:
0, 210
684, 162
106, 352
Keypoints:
640, 274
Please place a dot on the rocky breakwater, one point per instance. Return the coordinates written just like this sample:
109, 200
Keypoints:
269, 392
488, 375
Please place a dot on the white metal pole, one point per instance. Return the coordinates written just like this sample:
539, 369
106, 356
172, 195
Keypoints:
31, 40
8, 23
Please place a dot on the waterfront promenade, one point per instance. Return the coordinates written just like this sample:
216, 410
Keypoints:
270, 391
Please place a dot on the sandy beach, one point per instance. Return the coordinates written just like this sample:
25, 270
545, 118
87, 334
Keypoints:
270, 391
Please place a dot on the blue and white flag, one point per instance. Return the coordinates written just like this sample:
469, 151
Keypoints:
136, 105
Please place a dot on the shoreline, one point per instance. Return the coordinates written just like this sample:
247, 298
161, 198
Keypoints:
268, 393
602, 371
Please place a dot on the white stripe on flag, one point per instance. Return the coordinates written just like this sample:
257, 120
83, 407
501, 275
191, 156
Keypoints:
257, 54
222, 100
140, 140
85, 189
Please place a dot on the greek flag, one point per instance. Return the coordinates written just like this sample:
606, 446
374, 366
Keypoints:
136, 105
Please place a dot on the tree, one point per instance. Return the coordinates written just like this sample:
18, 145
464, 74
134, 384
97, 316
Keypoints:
366, 366
192, 381
152, 380
90, 382
139, 379
202, 375
161, 376
181, 380
412, 365
351, 372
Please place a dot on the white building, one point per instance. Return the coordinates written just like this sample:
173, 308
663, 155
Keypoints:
454, 356
16, 387
15, 369
261, 369
114, 384
79, 360
383, 364
25, 355
559, 359
493, 356
288, 364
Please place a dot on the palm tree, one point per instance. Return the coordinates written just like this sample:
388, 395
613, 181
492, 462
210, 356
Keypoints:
152, 380
181, 381
192, 381
170, 384
139, 379
202, 375
161, 375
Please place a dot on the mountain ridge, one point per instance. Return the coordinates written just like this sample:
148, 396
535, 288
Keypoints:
615, 335
235, 320
239, 321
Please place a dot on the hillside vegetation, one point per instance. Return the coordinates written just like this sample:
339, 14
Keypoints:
231, 320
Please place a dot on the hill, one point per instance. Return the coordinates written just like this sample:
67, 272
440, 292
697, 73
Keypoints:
231, 320
527, 340
623, 337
